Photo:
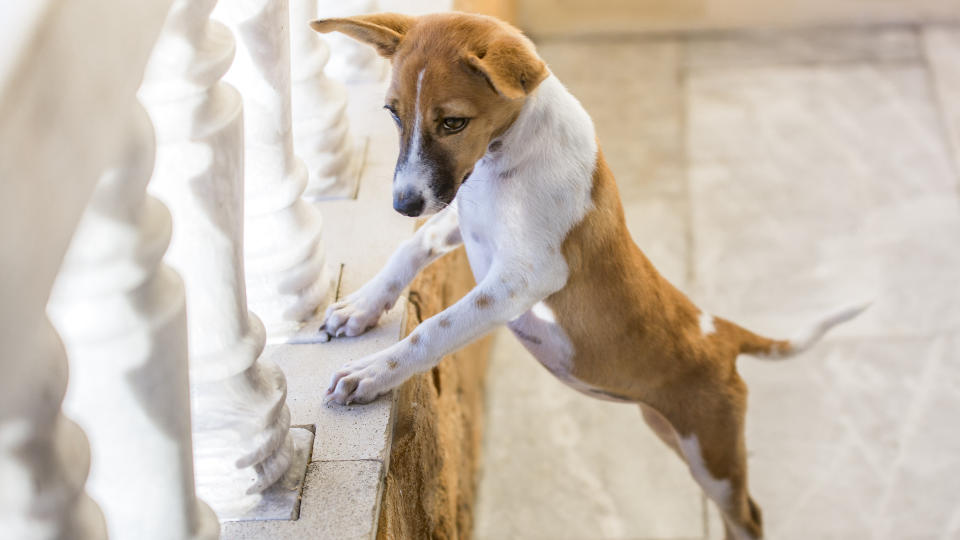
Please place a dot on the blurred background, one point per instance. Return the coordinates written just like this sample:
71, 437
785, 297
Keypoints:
775, 160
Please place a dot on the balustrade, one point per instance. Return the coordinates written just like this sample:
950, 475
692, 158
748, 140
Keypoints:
286, 275
166, 373
120, 313
242, 442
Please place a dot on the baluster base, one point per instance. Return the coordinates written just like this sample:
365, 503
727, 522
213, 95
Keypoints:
281, 501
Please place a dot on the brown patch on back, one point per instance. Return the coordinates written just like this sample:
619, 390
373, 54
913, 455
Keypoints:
626, 325
637, 337
483, 301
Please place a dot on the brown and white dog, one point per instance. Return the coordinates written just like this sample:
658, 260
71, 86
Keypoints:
494, 145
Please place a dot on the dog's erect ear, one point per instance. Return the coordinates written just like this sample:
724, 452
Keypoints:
511, 67
382, 30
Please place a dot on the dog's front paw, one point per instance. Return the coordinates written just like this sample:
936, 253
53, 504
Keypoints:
362, 381
358, 313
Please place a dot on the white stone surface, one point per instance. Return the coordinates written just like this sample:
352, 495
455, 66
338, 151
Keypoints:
65, 88
122, 318
344, 433
242, 444
836, 182
351, 61
286, 273
321, 130
341, 501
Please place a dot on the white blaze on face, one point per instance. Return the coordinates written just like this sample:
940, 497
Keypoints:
411, 173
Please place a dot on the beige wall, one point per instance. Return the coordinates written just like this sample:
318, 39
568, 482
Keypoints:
504, 9
563, 17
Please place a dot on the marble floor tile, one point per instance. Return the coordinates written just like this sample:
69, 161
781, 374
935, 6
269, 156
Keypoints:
560, 465
660, 225
857, 440
632, 91
812, 46
942, 47
815, 187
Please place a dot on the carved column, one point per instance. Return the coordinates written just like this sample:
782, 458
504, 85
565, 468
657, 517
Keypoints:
121, 315
287, 279
44, 457
320, 128
242, 443
350, 60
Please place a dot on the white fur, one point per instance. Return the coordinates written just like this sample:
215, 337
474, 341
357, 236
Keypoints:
706, 324
411, 174
807, 337
514, 214
717, 489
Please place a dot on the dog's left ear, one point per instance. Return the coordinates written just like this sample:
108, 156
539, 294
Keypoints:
382, 30
511, 66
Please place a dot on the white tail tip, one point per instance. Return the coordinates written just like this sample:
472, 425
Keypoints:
804, 340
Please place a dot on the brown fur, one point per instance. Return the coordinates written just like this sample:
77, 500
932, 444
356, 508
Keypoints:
636, 336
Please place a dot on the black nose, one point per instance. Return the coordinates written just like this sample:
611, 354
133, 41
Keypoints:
408, 203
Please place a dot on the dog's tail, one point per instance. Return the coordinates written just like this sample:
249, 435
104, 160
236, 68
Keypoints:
763, 347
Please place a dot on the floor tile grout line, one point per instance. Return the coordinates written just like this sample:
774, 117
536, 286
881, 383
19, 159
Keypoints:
936, 97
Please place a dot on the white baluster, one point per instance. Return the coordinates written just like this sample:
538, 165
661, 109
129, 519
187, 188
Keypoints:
69, 70
44, 457
320, 129
287, 279
241, 436
121, 315
350, 60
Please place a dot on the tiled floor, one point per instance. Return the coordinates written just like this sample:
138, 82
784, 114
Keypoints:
772, 176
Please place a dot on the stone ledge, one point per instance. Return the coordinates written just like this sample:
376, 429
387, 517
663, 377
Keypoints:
343, 484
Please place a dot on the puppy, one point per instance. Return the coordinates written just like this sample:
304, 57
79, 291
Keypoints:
507, 162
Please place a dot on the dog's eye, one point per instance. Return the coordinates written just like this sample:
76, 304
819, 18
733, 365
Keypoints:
453, 125
393, 113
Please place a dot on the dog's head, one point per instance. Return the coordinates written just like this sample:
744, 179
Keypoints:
459, 81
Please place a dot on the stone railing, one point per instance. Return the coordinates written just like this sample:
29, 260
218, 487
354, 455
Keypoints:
159, 136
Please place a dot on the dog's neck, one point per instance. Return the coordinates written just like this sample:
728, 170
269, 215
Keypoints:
552, 125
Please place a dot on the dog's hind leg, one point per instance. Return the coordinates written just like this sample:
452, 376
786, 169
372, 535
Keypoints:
706, 431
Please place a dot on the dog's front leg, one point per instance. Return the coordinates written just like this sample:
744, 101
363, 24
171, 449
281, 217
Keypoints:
500, 297
362, 309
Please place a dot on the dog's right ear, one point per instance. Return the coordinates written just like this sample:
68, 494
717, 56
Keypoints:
382, 30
